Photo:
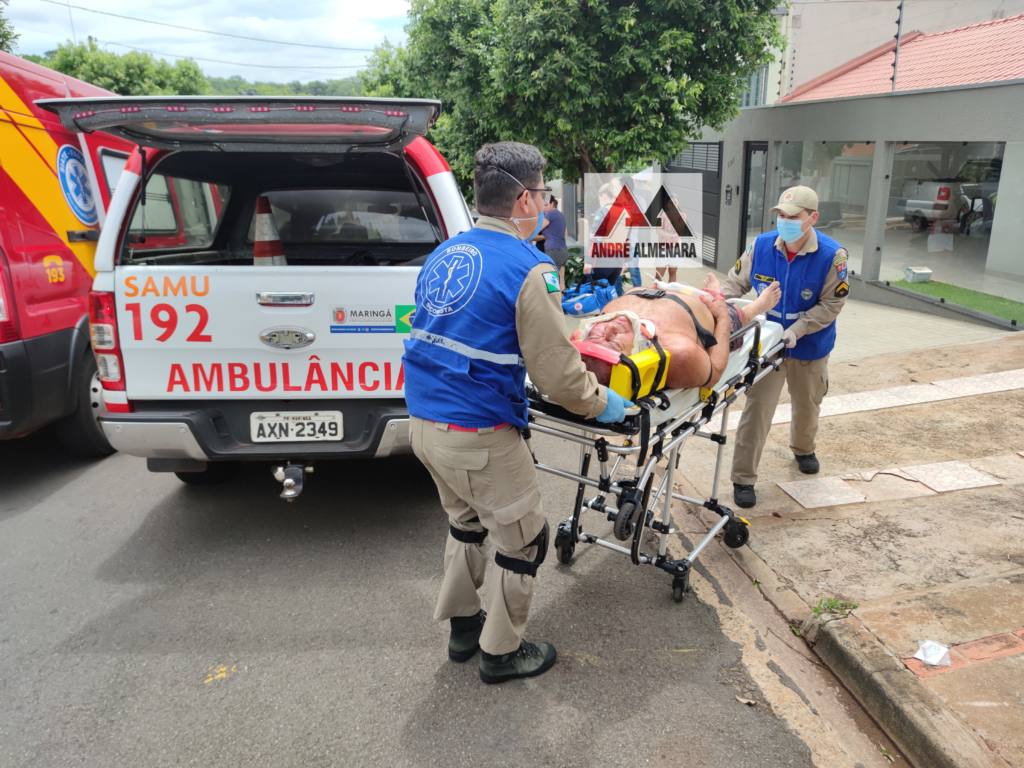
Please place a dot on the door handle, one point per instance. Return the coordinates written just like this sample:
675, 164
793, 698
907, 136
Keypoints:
285, 298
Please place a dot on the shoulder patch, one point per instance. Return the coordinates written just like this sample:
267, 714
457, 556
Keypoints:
739, 265
842, 289
839, 262
551, 281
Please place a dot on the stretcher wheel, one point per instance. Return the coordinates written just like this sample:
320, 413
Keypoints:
680, 586
736, 534
565, 553
565, 547
623, 527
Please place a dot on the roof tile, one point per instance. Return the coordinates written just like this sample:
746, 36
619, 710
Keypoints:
981, 53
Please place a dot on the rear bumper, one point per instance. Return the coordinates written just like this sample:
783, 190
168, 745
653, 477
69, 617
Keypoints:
927, 210
34, 377
207, 432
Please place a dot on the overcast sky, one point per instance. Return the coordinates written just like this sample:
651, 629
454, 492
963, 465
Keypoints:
360, 24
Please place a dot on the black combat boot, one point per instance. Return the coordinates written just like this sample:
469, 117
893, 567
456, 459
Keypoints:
465, 637
530, 660
744, 495
808, 463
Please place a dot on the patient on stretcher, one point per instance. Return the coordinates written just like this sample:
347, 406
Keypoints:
692, 326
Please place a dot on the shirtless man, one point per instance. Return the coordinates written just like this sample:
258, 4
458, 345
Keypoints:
682, 323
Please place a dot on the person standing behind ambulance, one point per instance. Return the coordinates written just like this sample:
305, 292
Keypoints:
553, 236
812, 271
488, 309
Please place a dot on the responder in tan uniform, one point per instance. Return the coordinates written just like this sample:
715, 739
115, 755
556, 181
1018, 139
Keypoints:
811, 269
488, 309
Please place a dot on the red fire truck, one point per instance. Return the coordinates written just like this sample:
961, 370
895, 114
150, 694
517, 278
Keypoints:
55, 186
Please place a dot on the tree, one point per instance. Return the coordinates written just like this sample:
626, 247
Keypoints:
129, 74
346, 86
598, 85
8, 37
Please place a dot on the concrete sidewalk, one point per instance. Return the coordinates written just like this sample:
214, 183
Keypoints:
922, 537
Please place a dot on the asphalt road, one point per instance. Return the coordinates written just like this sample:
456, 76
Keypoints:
146, 623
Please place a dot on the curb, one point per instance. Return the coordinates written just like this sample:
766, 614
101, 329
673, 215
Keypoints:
921, 725
927, 731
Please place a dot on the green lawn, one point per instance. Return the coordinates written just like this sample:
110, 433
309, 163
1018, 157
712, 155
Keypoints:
1008, 309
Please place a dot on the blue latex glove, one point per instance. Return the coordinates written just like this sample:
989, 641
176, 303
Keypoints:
615, 410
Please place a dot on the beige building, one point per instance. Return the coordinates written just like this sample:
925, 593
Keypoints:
823, 34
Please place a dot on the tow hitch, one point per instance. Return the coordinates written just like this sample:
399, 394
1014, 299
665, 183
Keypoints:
290, 476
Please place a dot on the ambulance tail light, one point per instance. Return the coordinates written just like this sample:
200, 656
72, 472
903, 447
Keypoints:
103, 335
944, 193
8, 323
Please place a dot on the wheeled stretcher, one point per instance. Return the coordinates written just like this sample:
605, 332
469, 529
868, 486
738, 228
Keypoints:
627, 489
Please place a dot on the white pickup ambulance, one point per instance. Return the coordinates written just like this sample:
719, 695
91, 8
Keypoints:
210, 354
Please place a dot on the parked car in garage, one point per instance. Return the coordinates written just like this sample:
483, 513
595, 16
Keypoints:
955, 200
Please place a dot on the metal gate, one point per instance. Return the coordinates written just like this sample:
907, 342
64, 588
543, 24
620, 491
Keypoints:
705, 158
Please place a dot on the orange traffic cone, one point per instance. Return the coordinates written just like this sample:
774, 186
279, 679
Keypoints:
266, 247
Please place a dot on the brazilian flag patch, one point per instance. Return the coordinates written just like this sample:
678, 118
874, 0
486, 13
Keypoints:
551, 281
403, 317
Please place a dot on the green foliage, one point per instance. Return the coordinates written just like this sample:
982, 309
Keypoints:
833, 605
8, 37
598, 85
239, 86
139, 74
129, 74
384, 73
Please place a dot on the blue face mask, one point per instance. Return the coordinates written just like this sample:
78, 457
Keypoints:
536, 229
790, 230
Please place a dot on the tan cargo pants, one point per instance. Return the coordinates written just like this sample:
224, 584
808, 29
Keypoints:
808, 383
486, 481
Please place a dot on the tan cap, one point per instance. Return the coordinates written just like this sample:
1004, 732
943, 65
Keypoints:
795, 199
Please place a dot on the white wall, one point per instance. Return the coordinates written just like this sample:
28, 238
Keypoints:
1006, 247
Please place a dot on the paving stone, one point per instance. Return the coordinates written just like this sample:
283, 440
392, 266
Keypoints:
822, 492
1006, 467
983, 384
946, 476
886, 485
994, 647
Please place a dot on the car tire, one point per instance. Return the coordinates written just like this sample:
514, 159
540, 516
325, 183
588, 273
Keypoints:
215, 473
80, 433
921, 224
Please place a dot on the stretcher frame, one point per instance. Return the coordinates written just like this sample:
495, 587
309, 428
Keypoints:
641, 501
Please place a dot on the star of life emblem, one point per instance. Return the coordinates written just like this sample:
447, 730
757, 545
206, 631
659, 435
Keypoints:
451, 279
74, 183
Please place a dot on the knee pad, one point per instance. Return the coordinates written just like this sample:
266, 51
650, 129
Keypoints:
527, 567
468, 537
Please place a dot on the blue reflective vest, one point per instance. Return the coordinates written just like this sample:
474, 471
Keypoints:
462, 360
802, 281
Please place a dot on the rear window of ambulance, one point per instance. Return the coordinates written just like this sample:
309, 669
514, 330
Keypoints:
351, 216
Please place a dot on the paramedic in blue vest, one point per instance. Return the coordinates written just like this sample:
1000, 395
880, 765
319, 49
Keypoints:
488, 310
812, 272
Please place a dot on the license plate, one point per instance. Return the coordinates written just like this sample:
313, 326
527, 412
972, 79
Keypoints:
294, 426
